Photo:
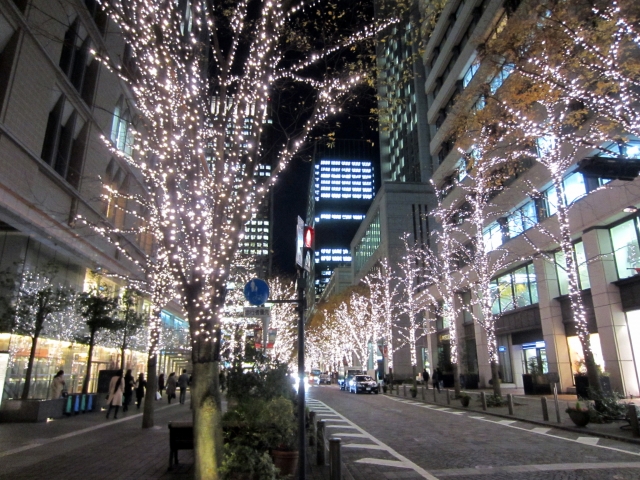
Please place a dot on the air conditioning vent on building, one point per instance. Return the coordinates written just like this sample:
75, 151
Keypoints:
608, 167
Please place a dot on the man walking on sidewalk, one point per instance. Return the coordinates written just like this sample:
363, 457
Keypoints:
183, 383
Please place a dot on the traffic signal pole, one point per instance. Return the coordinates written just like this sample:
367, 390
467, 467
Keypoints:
302, 446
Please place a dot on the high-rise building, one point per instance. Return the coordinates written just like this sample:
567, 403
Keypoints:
342, 188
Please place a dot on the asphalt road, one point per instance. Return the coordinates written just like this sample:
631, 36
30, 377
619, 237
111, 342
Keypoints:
387, 437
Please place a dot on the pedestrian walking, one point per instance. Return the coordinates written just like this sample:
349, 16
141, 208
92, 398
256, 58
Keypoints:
161, 384
116, 389
57, 385
172, 381
129, 384
183, 383
140, 388
425, 377
435, 379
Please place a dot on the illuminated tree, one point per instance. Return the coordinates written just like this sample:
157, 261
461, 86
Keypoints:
411, 282
128, 322
204, 74
283, 320
382, 293
97, 309
37, 300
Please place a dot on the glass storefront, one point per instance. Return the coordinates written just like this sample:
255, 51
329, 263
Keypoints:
534, 358
53, 355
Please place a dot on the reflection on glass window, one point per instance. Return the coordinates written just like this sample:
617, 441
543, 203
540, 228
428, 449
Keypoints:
515, 289
561, 269
624, 239
492, 236
522, 219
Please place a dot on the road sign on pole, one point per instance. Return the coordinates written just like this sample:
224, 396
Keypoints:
256, 291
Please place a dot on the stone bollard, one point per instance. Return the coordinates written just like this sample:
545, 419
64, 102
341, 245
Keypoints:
404, 390
632, 413
334, 459
510, 403
448, 397
545, 409
483, 399
320, 443
423, 394
312, 428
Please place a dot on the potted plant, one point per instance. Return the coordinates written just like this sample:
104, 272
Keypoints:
579, 414
279, 427
464, 399
414, 392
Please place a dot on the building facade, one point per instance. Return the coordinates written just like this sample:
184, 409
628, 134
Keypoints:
59, 109
536, 327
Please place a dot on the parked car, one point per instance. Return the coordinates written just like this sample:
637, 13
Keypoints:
325, 378
364, 384
314, 376
348, 376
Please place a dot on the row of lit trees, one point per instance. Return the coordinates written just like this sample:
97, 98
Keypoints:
572, 88
36, 305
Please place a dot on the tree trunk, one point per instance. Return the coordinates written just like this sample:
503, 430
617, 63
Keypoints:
415, 374
122, 356
456, 379
85, 384
150, 394
207, 431
495, 379
32, 356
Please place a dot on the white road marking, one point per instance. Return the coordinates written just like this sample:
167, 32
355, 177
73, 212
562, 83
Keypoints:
350, 435
385, 463
588, 440
540, 430
418, 469
506, 422
363, 445
340, 426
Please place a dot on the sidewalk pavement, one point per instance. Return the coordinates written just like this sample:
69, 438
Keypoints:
88, 446
527, 408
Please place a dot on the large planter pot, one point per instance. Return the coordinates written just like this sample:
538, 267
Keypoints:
465, 401
31, 410
286, 461
582, 385
414, 392
535, 384
579, 418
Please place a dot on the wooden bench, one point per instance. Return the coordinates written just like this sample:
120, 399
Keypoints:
180, 438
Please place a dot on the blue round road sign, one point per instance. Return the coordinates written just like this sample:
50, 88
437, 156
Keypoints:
256, 291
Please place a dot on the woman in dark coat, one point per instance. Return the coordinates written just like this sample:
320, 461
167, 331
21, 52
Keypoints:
129, 383
161, 383
140, 388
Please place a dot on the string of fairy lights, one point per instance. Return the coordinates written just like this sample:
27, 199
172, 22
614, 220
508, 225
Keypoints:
199, 168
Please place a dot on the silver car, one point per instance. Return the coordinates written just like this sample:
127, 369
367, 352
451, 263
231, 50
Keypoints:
364, 384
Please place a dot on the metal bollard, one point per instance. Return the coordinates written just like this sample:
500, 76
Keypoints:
312, 427
423, 394
404, 390
483, 399
320, 443
510, 403
448, 397
545, 409
632, 413
334, 459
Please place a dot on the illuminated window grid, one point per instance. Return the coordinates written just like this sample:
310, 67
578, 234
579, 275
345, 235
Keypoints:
369, 243
343, 179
